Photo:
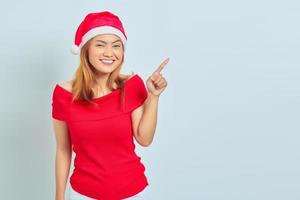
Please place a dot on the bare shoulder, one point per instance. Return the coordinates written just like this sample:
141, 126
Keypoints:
67, 85
127, 76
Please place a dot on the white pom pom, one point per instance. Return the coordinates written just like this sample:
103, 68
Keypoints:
75, 49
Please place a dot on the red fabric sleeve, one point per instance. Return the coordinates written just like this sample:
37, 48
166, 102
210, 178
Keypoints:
60, 105
135, 94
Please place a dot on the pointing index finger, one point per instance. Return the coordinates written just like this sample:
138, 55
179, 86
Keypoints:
162, 65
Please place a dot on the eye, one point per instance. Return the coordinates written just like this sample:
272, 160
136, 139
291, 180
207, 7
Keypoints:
99, 45
117, 45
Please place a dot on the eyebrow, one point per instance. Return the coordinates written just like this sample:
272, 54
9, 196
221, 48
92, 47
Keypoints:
106, 42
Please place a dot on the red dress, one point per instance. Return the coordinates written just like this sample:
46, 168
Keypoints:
106, 166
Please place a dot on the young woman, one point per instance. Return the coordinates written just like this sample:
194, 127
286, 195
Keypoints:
99, 112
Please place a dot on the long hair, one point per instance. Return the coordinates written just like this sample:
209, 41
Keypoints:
85, 77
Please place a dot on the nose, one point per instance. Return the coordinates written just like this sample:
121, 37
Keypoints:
108, 51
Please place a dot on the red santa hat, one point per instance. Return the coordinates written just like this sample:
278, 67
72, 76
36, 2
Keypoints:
98, 23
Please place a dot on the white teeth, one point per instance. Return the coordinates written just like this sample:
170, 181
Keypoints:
107, 61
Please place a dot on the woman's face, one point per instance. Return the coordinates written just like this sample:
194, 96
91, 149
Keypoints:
106, 53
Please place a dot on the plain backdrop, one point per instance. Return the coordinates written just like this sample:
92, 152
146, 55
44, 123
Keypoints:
228, 125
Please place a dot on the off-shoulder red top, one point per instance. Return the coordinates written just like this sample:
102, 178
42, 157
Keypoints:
106, 166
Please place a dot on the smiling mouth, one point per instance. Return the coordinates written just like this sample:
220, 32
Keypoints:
107, 62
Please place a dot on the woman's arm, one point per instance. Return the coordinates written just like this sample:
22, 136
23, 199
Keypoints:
63, 157
148, 121
144, 119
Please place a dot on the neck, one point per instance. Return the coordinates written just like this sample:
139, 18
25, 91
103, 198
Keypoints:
101, 84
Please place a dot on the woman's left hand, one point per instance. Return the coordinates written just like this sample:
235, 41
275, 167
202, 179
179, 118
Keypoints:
156, 83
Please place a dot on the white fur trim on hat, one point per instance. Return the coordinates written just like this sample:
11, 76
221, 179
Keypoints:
75, 49
96, 31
